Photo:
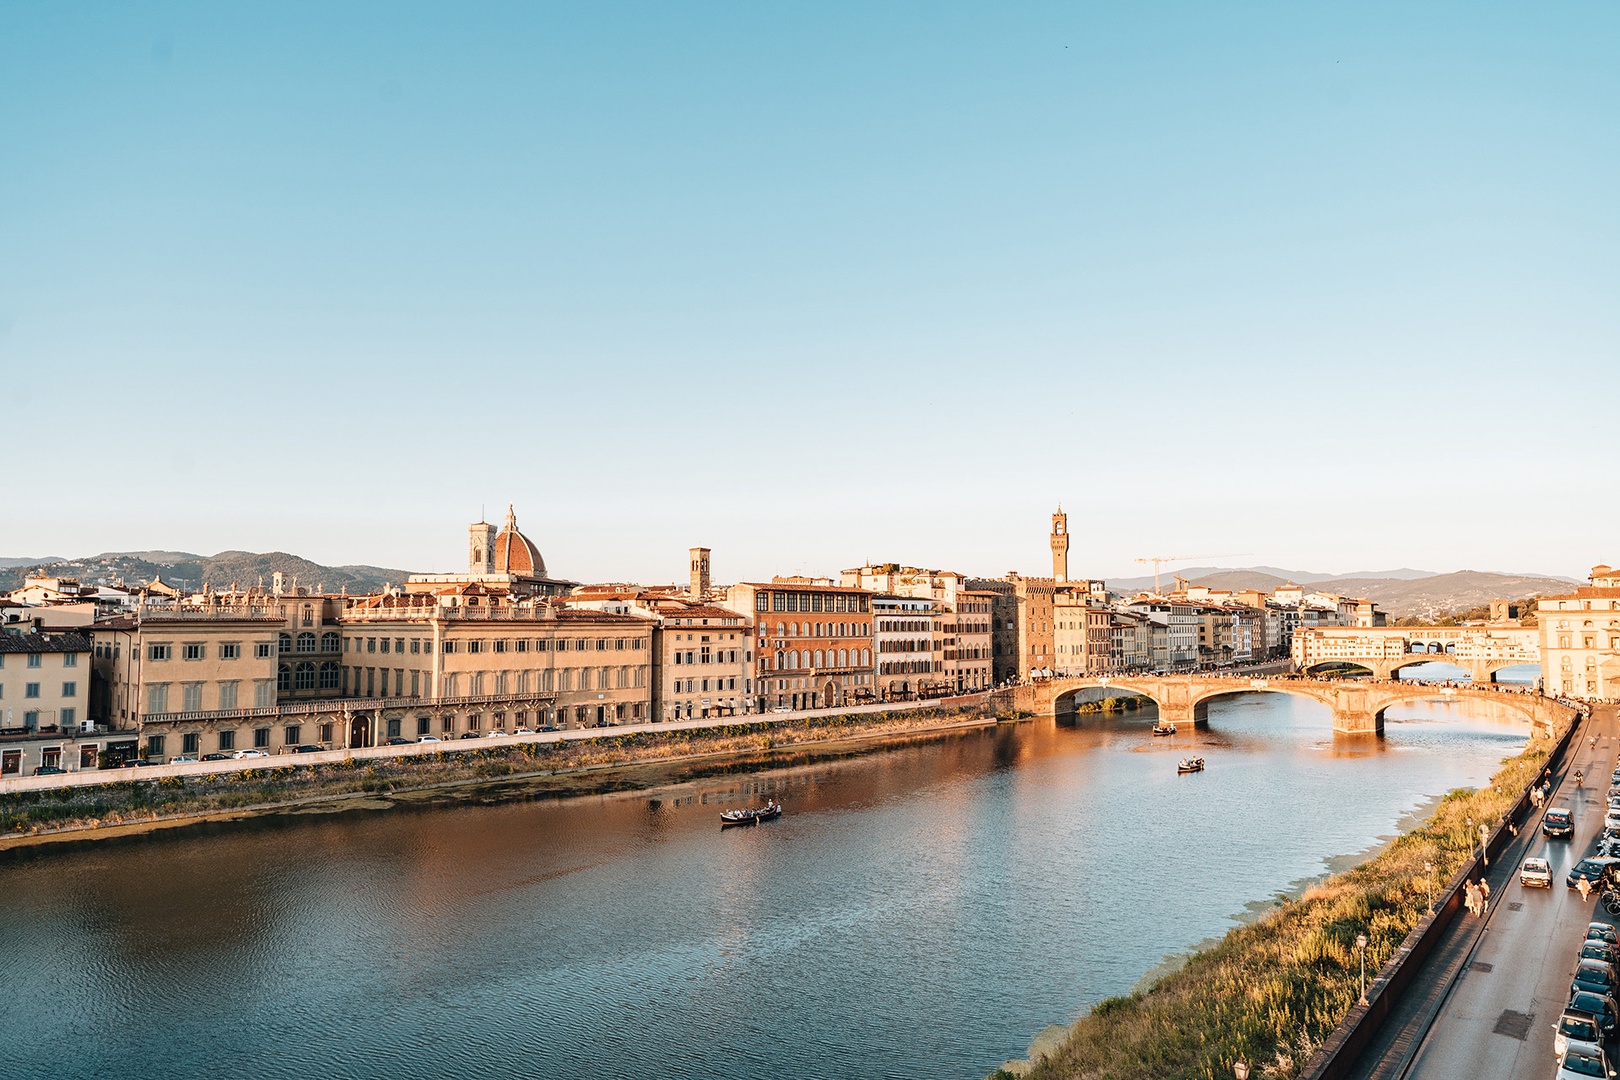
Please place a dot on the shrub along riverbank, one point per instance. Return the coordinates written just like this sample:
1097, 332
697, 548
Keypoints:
1271, 991
521, 770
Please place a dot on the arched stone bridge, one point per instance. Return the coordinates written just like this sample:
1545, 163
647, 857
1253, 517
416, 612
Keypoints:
1358, 705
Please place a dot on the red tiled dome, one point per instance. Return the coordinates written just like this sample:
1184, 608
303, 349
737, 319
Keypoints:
516, 553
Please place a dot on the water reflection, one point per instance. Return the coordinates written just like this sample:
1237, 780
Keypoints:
920, 912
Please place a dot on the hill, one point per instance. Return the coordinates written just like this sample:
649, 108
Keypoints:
186, 570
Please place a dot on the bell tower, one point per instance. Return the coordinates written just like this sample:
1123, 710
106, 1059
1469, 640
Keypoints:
699, 587
481, 548
1060, 546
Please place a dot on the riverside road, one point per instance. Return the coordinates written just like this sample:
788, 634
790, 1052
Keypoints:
1500, 983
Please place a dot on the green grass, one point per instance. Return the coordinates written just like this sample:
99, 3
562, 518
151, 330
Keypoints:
1270, 992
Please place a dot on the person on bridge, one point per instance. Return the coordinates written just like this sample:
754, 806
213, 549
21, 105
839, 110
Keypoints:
1484, 895
1471, 898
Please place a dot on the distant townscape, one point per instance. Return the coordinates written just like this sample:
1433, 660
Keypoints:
241, 653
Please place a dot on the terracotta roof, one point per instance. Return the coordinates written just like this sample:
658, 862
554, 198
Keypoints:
805, 588
44, 643
515, 553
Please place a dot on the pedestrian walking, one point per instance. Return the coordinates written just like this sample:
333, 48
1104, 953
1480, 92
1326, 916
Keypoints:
1471, 899
1484, 896
1585, 887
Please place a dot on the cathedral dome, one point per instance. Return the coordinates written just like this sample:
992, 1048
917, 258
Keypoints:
516, 553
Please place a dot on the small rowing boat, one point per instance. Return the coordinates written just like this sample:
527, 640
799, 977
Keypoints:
752, 815
1188, 765
1164, 729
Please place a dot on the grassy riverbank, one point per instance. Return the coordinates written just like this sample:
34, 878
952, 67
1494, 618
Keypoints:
519, 771
1270, 992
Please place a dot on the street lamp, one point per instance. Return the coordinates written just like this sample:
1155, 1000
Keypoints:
1361, 945
1240, 1069
1428, 883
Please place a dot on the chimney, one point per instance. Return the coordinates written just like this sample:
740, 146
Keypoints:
699, 588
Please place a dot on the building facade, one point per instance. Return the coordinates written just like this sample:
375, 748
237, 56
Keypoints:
1580, 639
813, 642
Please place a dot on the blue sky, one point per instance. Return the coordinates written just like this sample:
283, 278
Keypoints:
1338, 286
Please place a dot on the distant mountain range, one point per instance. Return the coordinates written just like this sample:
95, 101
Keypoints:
1401, 593
184, 569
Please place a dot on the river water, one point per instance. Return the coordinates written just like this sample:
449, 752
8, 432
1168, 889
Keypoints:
920, 912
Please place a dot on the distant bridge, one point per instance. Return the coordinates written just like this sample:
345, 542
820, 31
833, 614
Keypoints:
1481, 651
1358, 705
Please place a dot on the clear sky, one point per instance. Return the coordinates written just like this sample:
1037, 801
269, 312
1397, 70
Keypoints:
1334, 285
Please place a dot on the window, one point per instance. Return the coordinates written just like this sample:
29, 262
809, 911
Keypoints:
284, 678
189, 742
31, 719
329, 676
264, 693
157, 697
70, 659
326, 733
153, 652
760, 601
416, 645
34, 659
261, 737
192, 650
261, 650
230, 650
304, 676
399, 645
191, 696
306, 642
309, 614
31, 689
371, 644
227, 694
424, 725
227, 740
384, 647
154, 746
329, 643
285, 643
69, 717
294, 735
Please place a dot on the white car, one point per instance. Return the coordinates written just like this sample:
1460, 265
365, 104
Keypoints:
428, 738
1537, 872
183, 759
524, 731
240, 754
495, 733
1583, 1059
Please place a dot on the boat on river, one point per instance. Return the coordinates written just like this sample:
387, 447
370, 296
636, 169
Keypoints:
1188, 765
752, 815
1164, 729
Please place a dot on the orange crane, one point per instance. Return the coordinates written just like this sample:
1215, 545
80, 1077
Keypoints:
1159, 560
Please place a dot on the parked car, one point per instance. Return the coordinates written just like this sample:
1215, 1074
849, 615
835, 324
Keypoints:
523, 731
494, 733
1583, 1059
1611, 818
1602, 931
1558, 823
471, 735
309, 748
219, 755
240, 754
1596, 1005
1575, 1026
135, 763
1536, 872
1596, 976
1594, 949
49, 770
428, 738
1590, 869
183, 759
397, 741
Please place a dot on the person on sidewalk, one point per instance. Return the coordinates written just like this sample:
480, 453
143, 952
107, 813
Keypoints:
1484, 895
1471, 898
1585, 887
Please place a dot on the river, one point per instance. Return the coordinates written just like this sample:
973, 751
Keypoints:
919, 912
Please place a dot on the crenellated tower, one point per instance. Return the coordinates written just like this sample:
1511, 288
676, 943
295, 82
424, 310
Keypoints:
1060, 546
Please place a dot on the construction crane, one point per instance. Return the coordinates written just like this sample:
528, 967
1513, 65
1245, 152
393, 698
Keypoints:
1159, 560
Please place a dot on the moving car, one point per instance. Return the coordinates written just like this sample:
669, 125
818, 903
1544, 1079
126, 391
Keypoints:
309, 748
397, 741
1575, 1026
1583, 1059
1558, 822
1536, 872
240, 754
523, 731
183, 759
218, 755
1590, 869
428, 738
48, 770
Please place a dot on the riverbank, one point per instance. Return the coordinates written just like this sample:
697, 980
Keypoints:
643, 760
1271, 991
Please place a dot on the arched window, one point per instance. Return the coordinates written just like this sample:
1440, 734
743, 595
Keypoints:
286, 643
793, 660
866, 658
284, 676
329, 676
843, 658
793, 629
821, 659
329, 642
304, 676
306, 642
